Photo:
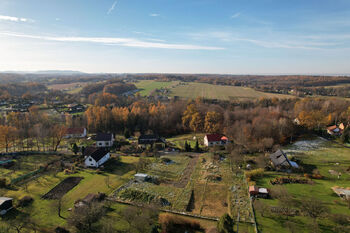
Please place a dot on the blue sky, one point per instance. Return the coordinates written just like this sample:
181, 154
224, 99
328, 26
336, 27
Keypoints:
182, 36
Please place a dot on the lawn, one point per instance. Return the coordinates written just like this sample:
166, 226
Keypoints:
25, 164
324, 156
147, 86
193, 90
44, 212
179, 141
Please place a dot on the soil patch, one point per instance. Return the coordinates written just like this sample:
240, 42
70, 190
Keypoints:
62, 188
186, 176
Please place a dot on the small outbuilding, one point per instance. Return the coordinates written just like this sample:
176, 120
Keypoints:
279, 160
5, 205
142, 177
255, 191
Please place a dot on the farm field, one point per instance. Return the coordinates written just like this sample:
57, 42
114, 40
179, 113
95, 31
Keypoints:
147, 86
71, 88
193, 90
323, 156
44, 211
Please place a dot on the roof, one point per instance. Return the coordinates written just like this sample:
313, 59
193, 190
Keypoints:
331, 128
97, 154
3, 199
253, 189
279, 158
104, 137
215, 137
5, 162
141, 175
75, 130
263, 190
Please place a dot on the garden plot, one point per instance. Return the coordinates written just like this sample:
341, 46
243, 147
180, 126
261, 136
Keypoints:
174, 173
306, 145
25, 164
62, 188
169, 170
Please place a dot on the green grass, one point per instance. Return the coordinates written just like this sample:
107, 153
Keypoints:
324, 159
147, 86
179, 141
44, 212
193, 90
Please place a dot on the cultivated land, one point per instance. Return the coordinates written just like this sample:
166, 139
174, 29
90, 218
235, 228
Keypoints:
147, 86
323, 156
209, 91
193, 90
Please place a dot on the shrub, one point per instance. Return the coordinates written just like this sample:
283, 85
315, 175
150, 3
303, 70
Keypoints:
171, 223
25, 201
3, 183
225, 224
253, 174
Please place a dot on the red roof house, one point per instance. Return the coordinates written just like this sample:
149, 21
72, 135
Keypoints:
215, 139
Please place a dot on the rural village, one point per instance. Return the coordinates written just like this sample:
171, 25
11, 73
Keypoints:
106, 161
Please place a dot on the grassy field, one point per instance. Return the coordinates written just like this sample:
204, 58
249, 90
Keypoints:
324, 156
43, 211
179, 141
209, 91
147, 86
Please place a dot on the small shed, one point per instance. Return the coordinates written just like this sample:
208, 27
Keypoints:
253, 190
5, 205
141, 177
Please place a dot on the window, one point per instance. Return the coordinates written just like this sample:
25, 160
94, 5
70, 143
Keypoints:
107, 143
100, 143
90, 159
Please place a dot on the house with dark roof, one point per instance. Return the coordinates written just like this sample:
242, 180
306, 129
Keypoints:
5, 205
104, 139
95, 157
149, 139
76, 133
215, 139
279, 160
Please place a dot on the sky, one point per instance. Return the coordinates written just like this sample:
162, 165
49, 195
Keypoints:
176, 36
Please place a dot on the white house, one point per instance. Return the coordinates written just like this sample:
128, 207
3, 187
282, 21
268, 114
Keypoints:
104, 139
215, 139
76, 133
96, 157
5, 205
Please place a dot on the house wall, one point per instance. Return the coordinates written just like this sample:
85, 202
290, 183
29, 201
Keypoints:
90, 162
104, 143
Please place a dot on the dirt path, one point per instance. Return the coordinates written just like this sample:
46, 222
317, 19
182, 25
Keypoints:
186, 175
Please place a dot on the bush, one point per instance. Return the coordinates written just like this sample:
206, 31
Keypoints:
253, 174
225, 224
25, 201
3, 183
171, 223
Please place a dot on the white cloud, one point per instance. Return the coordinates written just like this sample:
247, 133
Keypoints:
58, 19
154, 15
112, 7
126, 42
14, 19
236, 15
